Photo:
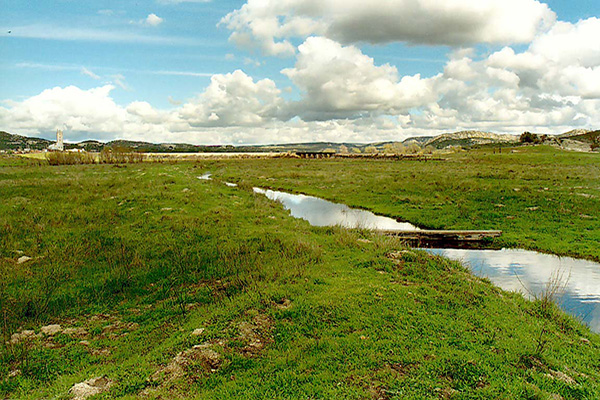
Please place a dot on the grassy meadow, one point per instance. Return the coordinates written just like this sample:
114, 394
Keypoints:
173, 287
541, 198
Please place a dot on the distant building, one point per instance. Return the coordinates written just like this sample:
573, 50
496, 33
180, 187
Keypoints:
59, 145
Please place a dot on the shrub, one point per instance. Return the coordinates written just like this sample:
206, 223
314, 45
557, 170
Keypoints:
528, 137
120, 155
69, 158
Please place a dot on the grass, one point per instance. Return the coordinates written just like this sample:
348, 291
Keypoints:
541, 198
140, 256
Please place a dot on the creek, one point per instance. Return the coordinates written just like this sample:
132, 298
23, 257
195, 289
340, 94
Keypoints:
576, 283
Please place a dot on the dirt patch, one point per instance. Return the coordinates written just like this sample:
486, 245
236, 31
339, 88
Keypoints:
119, 329
192, 362
256, 334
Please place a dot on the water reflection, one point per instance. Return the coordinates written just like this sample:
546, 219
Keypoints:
319, 212
529, 273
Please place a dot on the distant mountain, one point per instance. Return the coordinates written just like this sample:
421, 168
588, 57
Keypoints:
9, 141
464, 139
469, 138
574, 133
420, 140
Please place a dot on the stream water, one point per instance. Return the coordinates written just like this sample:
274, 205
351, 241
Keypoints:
524, 271
319, 212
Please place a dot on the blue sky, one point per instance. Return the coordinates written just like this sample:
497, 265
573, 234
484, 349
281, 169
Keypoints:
307, 70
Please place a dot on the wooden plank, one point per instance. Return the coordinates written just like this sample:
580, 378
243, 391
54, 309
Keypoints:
444, 235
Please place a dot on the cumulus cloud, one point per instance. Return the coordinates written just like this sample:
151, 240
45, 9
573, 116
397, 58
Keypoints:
80, 110
153, 20
231, 100
269, 24
564, 61
234, 99
340, 82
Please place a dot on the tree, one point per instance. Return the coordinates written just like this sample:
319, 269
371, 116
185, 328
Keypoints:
528, 137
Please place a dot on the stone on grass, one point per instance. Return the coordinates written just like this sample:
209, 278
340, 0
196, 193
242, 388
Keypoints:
23, 259
51, 330
91, 387
198, 332
26, 335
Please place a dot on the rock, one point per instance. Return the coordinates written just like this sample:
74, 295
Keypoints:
499, 205
584, 340
284, 304
91, 387
166, 209
79, 332
198, 332
561, 376
533, 208
23, 336
14, 372
51, 330
84, 343
101, 352
517, 189
363, 240
185, 190
23, 259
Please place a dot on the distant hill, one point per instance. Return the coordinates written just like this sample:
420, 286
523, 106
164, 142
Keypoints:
583, 138
574, 133
469, 138
420, 140
9, 141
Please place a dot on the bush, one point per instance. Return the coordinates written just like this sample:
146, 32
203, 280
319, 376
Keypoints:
120, 155
69, 158
528, 137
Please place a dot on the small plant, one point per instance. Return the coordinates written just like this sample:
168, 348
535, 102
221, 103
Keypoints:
541, 341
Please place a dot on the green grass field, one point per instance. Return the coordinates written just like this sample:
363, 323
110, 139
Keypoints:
131, 260
542, 198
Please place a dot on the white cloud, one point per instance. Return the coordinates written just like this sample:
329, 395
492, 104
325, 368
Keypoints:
234, 100
340, 82
153, 20
89, 73
214, 117
269, 24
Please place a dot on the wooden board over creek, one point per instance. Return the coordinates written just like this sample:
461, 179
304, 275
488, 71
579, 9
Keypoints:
445, 238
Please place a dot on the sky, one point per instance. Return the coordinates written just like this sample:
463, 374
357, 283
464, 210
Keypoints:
288, 71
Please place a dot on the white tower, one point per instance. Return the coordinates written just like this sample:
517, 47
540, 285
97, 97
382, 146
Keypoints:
59, 140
